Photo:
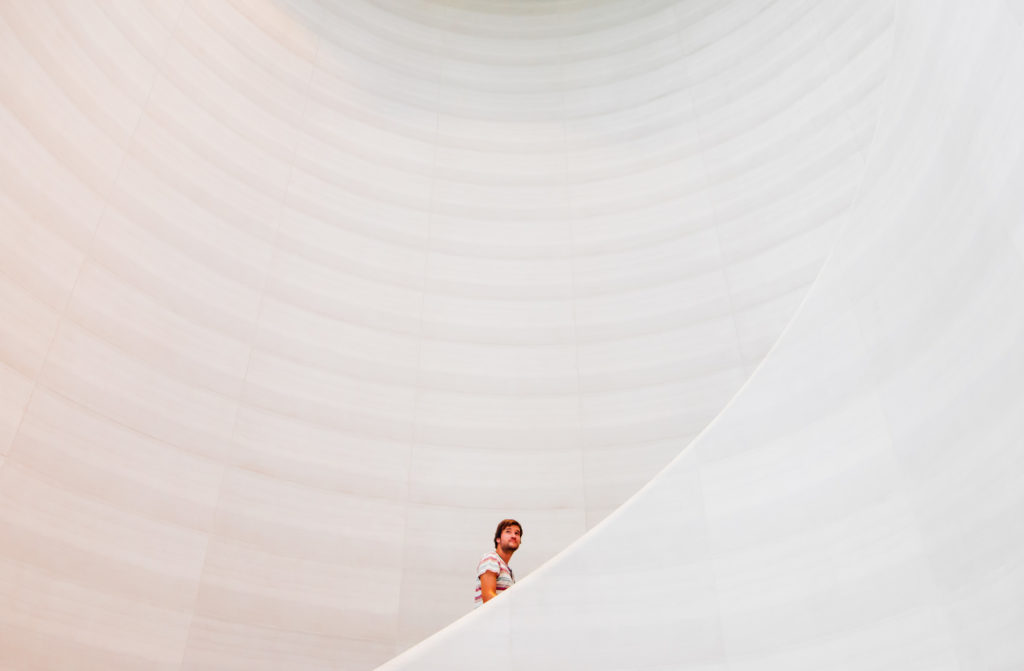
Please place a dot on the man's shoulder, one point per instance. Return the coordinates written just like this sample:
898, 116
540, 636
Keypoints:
489, 556
491, 561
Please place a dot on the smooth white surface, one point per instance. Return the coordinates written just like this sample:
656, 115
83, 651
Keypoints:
857, 504
298, 299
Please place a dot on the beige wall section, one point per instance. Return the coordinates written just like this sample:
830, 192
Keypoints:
298, 298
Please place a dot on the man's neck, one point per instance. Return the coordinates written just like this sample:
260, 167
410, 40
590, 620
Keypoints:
504, 554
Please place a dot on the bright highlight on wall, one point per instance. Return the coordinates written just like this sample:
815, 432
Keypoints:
298, 299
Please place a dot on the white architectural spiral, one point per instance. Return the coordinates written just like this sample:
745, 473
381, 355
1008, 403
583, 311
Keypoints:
299, 298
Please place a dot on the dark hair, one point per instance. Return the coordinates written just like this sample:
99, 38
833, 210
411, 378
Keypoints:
502, 525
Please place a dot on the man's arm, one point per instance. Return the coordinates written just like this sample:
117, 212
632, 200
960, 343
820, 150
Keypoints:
488, 585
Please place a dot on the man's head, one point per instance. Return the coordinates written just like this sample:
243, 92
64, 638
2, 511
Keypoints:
508, 535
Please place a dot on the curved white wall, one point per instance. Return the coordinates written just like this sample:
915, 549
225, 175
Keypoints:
300, 298
858, 504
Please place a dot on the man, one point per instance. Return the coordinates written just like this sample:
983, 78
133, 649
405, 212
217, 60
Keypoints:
493, 574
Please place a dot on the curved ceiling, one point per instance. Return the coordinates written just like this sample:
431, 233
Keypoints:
300, 298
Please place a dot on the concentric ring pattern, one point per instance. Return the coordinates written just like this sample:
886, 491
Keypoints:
857, 504
300, 298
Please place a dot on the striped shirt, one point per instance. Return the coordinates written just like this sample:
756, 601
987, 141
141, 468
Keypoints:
493, 562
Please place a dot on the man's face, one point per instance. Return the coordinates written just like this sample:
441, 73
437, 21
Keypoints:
510, 537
